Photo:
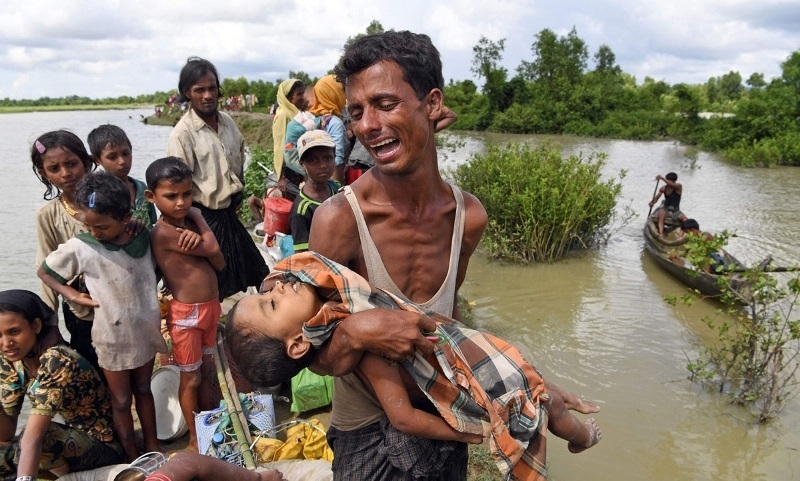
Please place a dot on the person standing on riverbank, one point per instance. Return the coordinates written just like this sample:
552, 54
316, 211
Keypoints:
209, 142
188, 256
406, 230
316, 151
120, 273
60, 161
112, 150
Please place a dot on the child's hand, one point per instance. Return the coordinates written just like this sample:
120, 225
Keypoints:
84, 299
134, 226
188, 239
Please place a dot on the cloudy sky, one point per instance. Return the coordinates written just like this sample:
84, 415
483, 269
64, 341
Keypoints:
107, 48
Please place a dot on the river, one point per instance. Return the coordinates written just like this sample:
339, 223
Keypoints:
595, 323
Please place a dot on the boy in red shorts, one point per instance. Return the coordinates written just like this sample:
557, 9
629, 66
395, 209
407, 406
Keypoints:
187, 254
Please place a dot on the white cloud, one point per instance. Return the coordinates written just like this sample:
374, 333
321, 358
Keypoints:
109, 48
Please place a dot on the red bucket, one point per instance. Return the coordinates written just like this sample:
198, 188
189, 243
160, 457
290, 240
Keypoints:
276, 215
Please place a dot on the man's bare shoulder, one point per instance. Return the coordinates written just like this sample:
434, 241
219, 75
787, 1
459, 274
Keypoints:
332, 213
334, 232
476, 217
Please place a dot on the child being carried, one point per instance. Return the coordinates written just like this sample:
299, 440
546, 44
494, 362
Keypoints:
474, 380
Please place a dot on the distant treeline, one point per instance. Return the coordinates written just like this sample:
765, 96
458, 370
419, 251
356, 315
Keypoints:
156, 98
751, 122
754, 123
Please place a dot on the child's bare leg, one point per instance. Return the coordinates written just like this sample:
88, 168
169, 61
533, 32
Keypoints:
146, 405
207, 370
595, 435
119, 383
563, 424
662, 214
189, 400
571, 401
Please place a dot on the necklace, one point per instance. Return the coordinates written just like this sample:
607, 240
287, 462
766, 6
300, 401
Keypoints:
72, 212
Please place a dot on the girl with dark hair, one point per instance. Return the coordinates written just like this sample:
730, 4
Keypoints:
120, 273
60, 161
56, 380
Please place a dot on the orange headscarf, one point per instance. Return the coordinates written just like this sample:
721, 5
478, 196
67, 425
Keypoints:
328, 97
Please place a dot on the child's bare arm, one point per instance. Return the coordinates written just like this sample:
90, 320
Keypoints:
210, 244
185, 241
388, 385
658, 196
65, 291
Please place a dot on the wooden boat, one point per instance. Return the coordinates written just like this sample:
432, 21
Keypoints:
667, 254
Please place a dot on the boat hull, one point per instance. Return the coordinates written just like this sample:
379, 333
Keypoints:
707, 284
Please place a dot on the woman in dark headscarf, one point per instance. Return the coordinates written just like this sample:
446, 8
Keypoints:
56, 380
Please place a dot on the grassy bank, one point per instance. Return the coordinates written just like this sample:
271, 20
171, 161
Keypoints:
256, 127
63, 108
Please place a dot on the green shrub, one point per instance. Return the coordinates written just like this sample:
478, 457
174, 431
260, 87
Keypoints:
762, 153
255, 178
755, 356
540, 205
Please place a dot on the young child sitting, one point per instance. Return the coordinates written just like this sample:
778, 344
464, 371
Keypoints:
187, 254
111, 149
479, 384
120, 273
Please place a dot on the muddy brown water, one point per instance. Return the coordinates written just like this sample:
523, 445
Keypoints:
595, 323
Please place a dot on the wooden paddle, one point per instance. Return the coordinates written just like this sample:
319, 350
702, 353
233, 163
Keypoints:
654, 196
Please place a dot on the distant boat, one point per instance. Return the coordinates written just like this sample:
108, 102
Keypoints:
664, 251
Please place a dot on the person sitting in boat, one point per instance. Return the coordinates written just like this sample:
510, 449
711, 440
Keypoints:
479, 384
691, 227
671, 206
56, 380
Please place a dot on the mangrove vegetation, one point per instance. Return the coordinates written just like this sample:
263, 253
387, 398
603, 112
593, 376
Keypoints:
540, 204
754, 122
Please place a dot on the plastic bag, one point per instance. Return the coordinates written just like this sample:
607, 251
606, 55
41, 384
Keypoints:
310, 391
305, 439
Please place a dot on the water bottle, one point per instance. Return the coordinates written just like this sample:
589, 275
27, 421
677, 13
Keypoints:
219, 447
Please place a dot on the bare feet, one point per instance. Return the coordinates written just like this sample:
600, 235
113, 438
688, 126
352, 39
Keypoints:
595, 435
571, 401
584, 406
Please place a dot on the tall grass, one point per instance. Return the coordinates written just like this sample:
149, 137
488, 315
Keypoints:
540, 205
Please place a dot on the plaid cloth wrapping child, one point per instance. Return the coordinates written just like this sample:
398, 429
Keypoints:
479, 383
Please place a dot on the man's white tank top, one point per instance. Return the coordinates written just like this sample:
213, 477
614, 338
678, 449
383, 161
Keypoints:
354, 404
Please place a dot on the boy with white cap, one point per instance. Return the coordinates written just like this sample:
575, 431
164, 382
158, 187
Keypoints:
316, 149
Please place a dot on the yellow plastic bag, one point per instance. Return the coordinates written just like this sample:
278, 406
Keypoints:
305, 439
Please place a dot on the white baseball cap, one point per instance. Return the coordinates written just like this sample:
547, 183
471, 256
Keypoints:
314, 138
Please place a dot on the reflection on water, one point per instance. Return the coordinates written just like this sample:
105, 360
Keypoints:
595, 323
598, 324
